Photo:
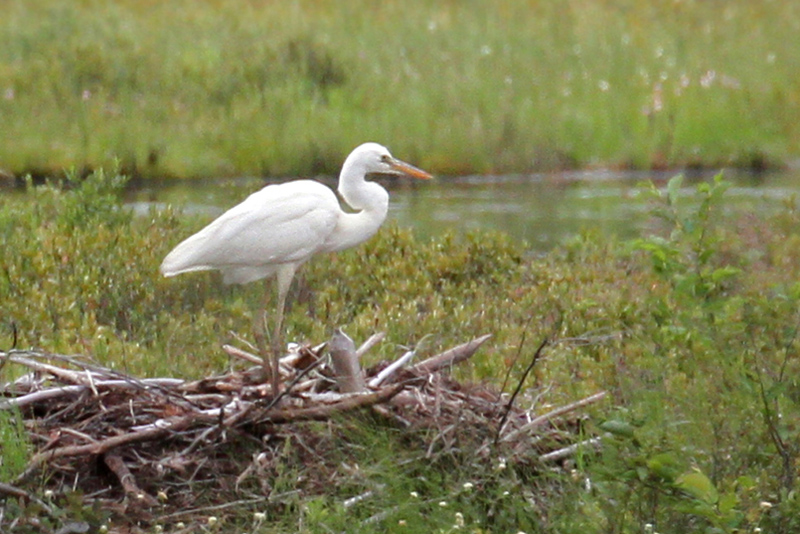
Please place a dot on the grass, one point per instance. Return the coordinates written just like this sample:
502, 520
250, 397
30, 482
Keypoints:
208, 88
692, 328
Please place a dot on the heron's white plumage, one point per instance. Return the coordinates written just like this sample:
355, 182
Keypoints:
275, 230
280, 224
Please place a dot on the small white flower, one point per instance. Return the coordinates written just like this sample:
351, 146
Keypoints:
468, 485
49, 494
604, 85
443, 504
162, 496
501, 465
707, 79
414, 494
212, 521
159, 529
259, 516
765, 505
459, 520
180, 525
402, 522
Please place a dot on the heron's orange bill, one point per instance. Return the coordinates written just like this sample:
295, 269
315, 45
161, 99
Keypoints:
405, 168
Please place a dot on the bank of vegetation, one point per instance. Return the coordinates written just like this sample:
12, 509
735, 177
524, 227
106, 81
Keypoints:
207, 88
691, 329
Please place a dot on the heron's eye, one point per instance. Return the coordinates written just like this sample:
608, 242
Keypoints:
385, 158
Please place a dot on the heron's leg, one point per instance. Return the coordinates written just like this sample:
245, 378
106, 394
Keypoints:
260, 332
277, 343
284, 279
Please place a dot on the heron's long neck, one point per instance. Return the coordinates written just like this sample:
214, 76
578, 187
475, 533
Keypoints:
370, 203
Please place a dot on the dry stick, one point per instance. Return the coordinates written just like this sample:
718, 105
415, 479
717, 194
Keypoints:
59, 391
13, 491
239, 353
173, 424
390, 369
554, 413
216, 507
324, 412
450, 357
510, 404
65, 374
568, 451
275, 400
117, 465
371, 341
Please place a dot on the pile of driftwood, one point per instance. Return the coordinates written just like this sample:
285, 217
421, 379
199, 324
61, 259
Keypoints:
113, 436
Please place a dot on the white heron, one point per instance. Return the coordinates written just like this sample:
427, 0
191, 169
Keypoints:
277, 229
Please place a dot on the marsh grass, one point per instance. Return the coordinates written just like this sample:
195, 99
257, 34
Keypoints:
221, 88
692, 329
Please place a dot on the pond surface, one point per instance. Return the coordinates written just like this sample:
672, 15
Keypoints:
541, 209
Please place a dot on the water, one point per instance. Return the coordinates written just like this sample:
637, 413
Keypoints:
542, 209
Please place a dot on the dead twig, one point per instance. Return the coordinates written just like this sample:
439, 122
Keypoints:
351, 402
371, 341
549, 416
528, 369
117, 465
13, 491
566, 452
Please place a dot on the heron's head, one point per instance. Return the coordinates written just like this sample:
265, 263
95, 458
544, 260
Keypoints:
376, 159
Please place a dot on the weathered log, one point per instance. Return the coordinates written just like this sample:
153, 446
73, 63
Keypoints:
345, 363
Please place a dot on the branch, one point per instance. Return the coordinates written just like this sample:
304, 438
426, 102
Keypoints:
450, 357
560, 454
552, 414
117, 465
13, 491
324, 412
172, 424
371, 341
56, 392
510, 404
390, 369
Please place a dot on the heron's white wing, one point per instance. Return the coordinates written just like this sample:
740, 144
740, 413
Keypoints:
279, 224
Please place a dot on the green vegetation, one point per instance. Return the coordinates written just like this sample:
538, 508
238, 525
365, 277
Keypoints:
186, 88
692, 329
